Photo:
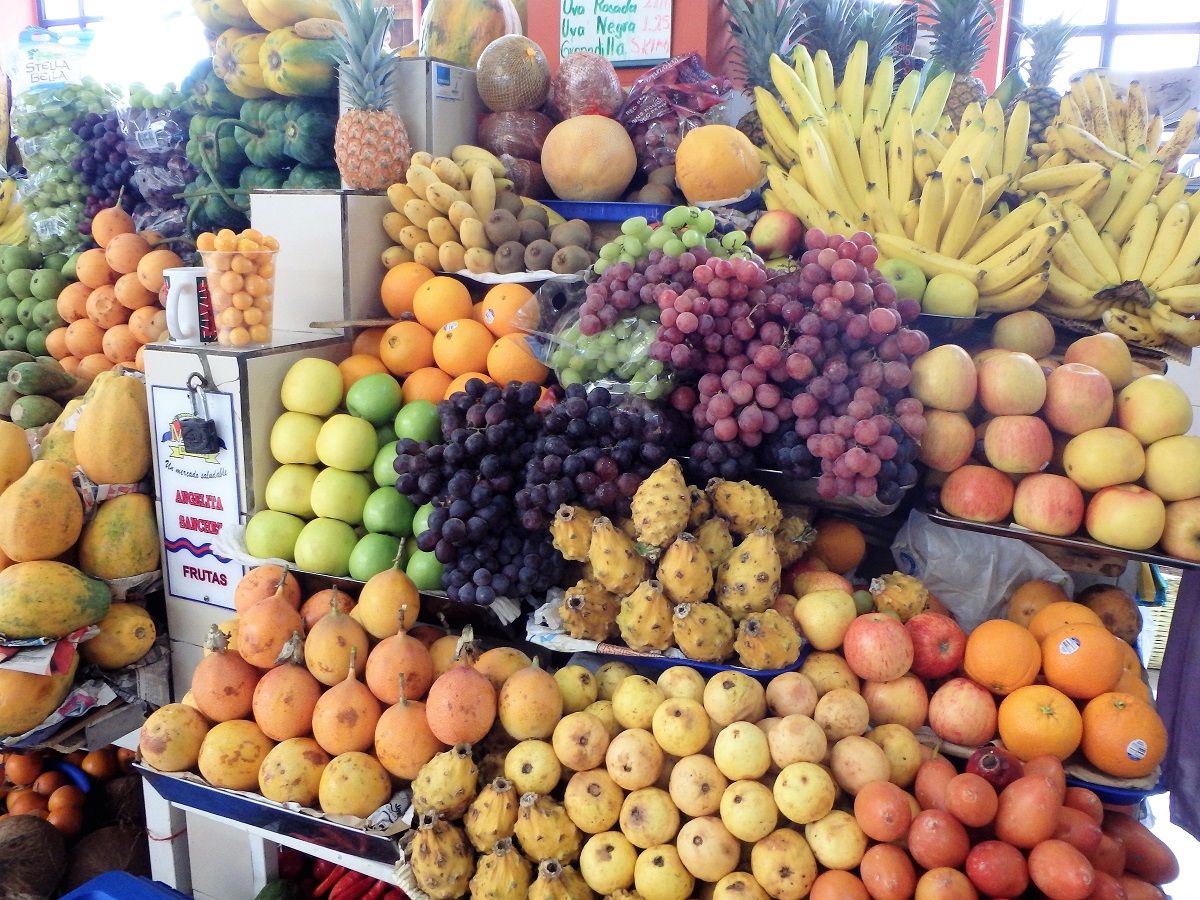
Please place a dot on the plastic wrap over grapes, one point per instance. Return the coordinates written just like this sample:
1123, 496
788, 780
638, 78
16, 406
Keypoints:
616, 357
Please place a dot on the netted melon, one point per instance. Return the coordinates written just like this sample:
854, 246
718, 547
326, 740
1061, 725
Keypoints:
586, 84
512, 73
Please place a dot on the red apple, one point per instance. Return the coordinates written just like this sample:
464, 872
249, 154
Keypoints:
995, 764
949, 440
877, 647
1105, 351
1011, 384
944, 378
1078, 398
938, 644
1050, 504
962, 712
1126, 516
1181, 534
978, 494
901, 701
1018, 444
777, 233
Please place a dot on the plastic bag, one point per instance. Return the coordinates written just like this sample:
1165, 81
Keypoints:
666, 103
973, 574
519, 133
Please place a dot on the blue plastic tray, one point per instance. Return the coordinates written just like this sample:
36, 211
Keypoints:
123, 886
1119, 796
608, 212
708, 670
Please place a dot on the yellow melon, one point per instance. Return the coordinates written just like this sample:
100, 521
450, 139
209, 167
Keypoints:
589, 158
716, 162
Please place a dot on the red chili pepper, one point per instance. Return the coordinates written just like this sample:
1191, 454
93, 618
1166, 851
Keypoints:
377, 891
351, 886
395, 894
321, 869
331, 879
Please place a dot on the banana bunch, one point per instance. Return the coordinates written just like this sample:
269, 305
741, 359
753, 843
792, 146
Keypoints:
14, 223
440, 211
1095, 124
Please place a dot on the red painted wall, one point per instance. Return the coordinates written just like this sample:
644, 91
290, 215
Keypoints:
16, 15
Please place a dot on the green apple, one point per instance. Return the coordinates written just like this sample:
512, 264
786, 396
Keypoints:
289, 490
424, 570
324, 546
374, 553
387, 511
905, 277
949, 294
375, 397
294, 438
338, 494
385, 434
312, 385
419, 421
347, 442
271, 534
384, 469
421, 519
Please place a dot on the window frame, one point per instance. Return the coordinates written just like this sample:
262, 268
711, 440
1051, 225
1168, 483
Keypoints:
81, 21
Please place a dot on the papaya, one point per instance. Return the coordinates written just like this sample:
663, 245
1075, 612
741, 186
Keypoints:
59, 444
112, 437
10, 358
39, 378
458, 30
41, 514
15, 456
34, 411
126, 635
49, 599
297, 67
26, 700
122, 539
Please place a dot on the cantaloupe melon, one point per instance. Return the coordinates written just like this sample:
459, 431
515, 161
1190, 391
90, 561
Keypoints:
588, 158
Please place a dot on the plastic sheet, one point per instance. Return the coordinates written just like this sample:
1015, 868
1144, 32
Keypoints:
520, 133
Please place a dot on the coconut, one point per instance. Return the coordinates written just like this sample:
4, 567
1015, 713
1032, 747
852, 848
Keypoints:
512, 73
114, 848
33, 857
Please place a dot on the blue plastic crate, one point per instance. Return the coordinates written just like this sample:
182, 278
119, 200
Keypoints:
123, 886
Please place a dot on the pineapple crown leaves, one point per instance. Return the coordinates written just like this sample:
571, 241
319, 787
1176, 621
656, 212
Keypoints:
960, 31
835, 26
882, 25
763, 27
1048, 41
363, 70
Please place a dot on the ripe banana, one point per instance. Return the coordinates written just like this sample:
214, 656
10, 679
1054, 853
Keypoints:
1133, 329
884, 216
1171, 231
1089, 312
1091, 190
851, 92
993, 117
1100, 211
845, 154
923, 167
880, 96
1056, 177
1174, 191
1174, 325
1086, 237
1185, 132
1068, 111
927, 142
807, 70
1184, 299
900, 161
994, 188
928, 261
800, 102
1006, 230
1016, 139
929, 109
931, 210
825, 78
1022, 295
824, 180
464, 152
1097, 99
1067, 255
1138, 194
957, 175
1183, 268
961, 222
1087, 146
1135, 117
8, 194
777, 127
1018, 260
1070, 298
872, 150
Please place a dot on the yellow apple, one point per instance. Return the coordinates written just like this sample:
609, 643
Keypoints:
949, 440
824, 616
1154, 407
1106, 352
1103, 456
1181, 533
1011, 384
1025, 331
1173, 467
950, 295
1126, 516
944, 378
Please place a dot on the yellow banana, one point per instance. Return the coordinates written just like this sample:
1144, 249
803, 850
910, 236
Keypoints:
1068, 112
1171, 231
1182, 269
1054, 141
1100, 211
1193, 202
794, 198
1021, 295
1111, 247
1116, 121
884, 215
8, 193
1055, 177
928, 261
1067, 255
767, 156
1067, 293
1137, 195
1086, 237
923, 167
981, 146
900, 161
824, 181
931, 211
947, 135
1185, 132
777, 127
908, 217
1133, 329
1050, 214
771, 200
993, 188
871, 149
1053, 160
985, 224
962, 221
796, 173
1018, 260
825, 80
958, 175
1006, 230
1089, 311
1091, 190
802, 63
845, 154
972, 112
1173, 192
1098, 101
905, 98
880, 96
1079, 97
1016, 139
1135, 116
799, 101
1137, 243
851, 93
993, 116
464, 152
962, 143
1087, 146
14, 231
931, 145
1174, 325
1154, 130
928, 111
1184, 299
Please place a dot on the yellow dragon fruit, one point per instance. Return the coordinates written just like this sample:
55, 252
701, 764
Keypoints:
441, 859
614, 558
589, 612
748, 581
492, 814
502, 874
745, 506
715, 540
645, 618
684, 572
899, 593
447, 783
661, 505
793, 537
545, 831
703, 632
571, 531
767, 640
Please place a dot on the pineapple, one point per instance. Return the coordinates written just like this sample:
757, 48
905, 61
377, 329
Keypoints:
1049, 42
835, 26
960, 32
762, 27
371, 143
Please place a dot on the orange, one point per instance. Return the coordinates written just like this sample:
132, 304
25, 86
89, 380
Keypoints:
406, 347
72, 301
1038, 719
1123, 735
1082, 660
400, 284
462, 346
1002, 656
839, 544
441, 300
368, 340
460, 383
506, 309
148, 323
1131, 681
357, 365
429, 384
56, 343
119, 344
139, 359
511, 359
1032, 597
1055, 615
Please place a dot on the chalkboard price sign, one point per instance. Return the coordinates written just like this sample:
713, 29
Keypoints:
625, 32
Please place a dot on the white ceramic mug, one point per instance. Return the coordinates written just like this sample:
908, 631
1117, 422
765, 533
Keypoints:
190, 317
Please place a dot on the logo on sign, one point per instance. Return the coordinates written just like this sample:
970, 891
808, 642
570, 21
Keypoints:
173, 438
